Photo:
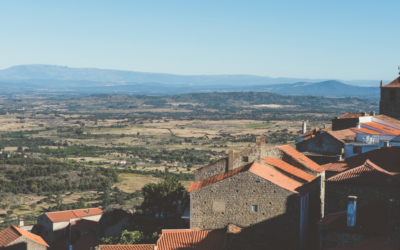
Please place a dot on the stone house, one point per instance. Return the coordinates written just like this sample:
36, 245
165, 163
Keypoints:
275, 192
390, 99
368, 182
14, 238
359, 133
56, 226
376, 223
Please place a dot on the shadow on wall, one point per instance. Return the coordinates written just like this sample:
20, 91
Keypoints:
18, 246
281, 232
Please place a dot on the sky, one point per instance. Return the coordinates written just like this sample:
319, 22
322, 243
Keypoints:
348, 40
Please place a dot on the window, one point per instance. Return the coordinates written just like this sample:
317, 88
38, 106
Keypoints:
254, 208
357, 150
392, 95
245, 159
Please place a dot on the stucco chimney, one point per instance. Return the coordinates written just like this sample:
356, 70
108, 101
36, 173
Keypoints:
304, 128
351, 211
21, 222
372, 113
358, 125
363, 113
386, 144
262, 149
381, 83
230, 160
339, 157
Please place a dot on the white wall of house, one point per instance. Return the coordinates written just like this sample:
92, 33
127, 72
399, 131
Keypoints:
93, 217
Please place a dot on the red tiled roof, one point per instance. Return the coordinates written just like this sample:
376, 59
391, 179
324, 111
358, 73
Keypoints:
365, 131
73, 214
289, 169
263, 171
341, 135
83, 225
388, 120
86, 241
351, 115
191, 239
315, 131
383, 128
378, 243
217, 178
371, 218
12, 233
393, 84
368, 173
299, 157
127, 247
386, 158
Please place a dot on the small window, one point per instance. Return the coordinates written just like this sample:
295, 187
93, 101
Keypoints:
245, 159
254, 208
320, 141
357, 150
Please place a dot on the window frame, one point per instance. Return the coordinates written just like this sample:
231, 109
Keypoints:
254, 208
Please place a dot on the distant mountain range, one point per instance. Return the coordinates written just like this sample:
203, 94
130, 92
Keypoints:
49, 78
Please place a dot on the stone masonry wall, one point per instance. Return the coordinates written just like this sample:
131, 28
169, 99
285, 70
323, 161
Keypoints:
221, 166
388, 107
230, 201
329, 145
337, 193
331, 238
23, 243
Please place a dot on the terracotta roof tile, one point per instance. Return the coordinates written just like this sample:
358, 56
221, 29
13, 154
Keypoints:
83, 225
388, 120
393, 84
368, 173
289, 169
314, 132
73, 214
217, 178
342, 135
299, 157
12, 233
128, 247
86, 241
371, 218
381, 128
365, 131
371, 244
191, 239
263, 171
351, 115
386, 158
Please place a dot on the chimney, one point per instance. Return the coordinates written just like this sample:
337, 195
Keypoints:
262, 150
258, 140
381, 84
339, 157
342, 150
21, 222
358, 125
230, 160
372, 113
363, 113
304, 128
386, 144
351, 211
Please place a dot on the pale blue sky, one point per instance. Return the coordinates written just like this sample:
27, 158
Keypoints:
309, 39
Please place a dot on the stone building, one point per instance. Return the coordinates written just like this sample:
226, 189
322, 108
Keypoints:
368, 133
390, 99
371, 226
275, 192
14, 238
56, 226
368, 182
